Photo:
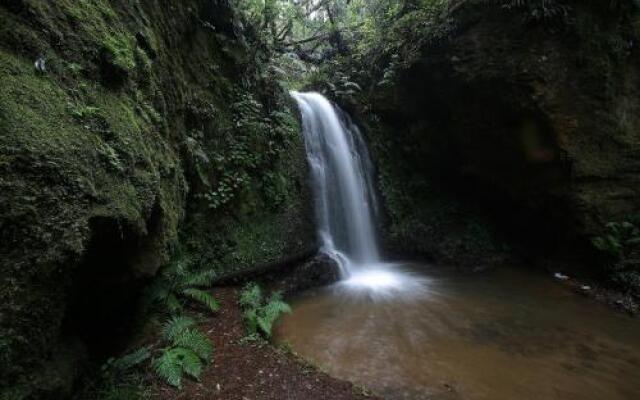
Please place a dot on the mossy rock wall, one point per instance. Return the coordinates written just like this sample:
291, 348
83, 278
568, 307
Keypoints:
526, 125
148, 123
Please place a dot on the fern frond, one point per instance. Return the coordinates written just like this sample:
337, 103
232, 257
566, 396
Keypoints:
176, 326
174, 361
173, 304
158, 291
199, 279
194, 340
202, 297
191, 363
270, 313
132, 359
265, 326
169, 367
251, 296
251, 321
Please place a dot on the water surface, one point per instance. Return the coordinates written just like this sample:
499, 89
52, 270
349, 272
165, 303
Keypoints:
510, 334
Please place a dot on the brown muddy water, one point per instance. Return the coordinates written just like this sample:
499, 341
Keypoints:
510, 334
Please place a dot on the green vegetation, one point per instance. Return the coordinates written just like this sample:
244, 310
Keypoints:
185, 349
620, 245
260, 312
185, 352
176, 284
153, 126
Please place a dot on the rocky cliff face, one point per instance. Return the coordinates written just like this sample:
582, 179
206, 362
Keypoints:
126, 128
495, 110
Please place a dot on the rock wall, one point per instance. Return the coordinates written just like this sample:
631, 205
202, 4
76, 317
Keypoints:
125, 128
507, 118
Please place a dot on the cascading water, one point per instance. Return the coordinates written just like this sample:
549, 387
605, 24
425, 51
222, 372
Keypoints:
345, 201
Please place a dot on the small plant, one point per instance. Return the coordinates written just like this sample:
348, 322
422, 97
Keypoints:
186, 351
619, 237
259, 312
114, 367
120, 378
177, 284
82, 112
620, 246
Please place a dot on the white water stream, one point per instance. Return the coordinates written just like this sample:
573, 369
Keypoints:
342, 179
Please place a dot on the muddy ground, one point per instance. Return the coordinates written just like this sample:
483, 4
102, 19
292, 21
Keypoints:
245, 370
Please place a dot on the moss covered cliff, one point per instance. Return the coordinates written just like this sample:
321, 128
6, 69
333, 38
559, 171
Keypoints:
125, 129
520, 116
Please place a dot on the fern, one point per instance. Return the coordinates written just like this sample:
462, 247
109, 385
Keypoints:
260, 314
200, 279
174, 362
202, 297
176, 284
173, 304
128, 361
250, 317
251, 296
270, 312
176, 326
187, 350
195, 341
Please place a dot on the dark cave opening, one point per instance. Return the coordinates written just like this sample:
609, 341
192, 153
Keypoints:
105, 295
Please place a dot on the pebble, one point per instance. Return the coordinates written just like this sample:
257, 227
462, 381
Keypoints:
40, 65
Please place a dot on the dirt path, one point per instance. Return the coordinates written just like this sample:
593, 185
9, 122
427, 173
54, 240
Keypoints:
251, 371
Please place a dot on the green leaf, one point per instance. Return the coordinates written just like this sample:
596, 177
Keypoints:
173, 304
169, 368
251, 321
271, 312
195, 341
176, 326
202, 297
174, 362
251, 296
203, 278
191, 363
132, 359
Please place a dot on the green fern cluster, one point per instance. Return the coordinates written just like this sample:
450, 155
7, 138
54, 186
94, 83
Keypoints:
187, 350
176, 284
260, 312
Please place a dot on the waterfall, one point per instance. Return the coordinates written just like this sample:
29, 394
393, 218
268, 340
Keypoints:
346, 208
341, 173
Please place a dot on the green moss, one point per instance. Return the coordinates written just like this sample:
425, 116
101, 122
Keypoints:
78, 145
56, 155
118, 53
